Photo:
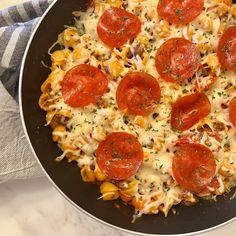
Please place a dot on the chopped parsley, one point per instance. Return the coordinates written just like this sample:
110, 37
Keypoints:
179, 12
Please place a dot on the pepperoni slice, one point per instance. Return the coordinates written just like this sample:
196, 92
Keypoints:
179, 11
117, 26
177, 59
83, 85
232, 111
189, 110
138, 94
226, 50
119, 156
193, 167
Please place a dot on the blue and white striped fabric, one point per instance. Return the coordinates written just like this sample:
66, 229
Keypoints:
16, 25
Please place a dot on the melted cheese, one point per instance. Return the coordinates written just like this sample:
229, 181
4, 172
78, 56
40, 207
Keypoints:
90, 125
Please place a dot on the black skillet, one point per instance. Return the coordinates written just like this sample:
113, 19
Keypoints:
66, 177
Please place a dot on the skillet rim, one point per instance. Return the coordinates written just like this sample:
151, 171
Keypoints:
23, 64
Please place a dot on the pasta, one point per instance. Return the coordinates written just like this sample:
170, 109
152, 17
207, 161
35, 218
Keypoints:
79, 130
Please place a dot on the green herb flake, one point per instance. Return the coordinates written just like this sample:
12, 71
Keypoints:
179, 12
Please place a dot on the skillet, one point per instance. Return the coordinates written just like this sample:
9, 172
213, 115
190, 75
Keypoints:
66, 177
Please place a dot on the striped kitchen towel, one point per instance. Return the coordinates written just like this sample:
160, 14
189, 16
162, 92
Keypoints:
16, 25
